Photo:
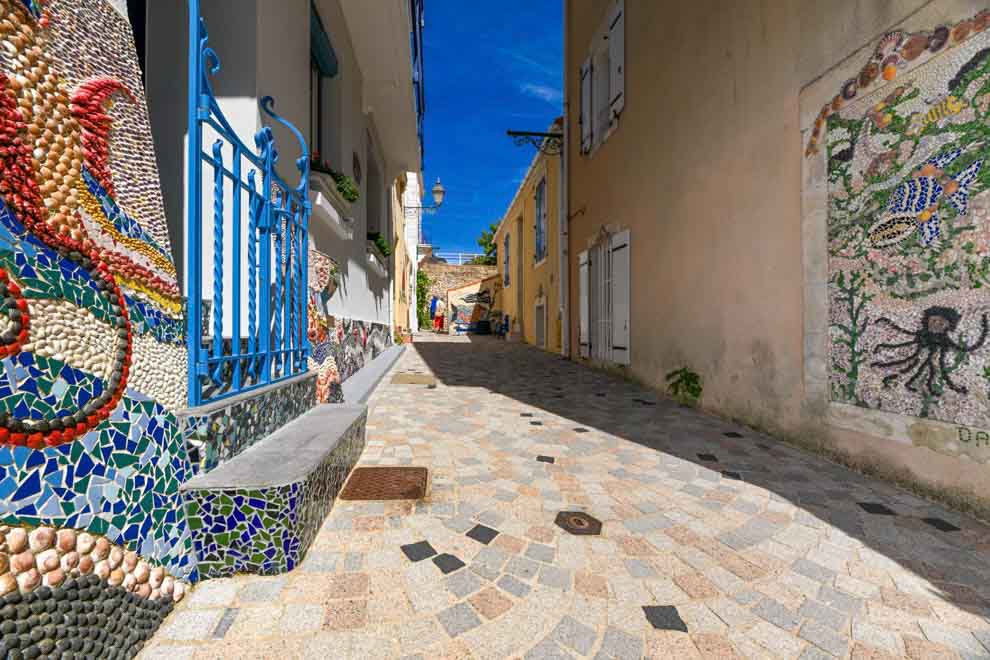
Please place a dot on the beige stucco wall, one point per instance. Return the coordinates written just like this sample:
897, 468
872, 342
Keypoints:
401, 264
529, 280
705, 170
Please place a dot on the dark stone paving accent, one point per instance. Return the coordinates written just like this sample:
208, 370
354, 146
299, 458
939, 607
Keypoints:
578, 523
418, 551
876, 509
732, 434
525, 414
546, 459
482, 534
580, 429
708, 458
731, 475
84, 617
226, 621
941, 525
536, 423
447, 563
664, 617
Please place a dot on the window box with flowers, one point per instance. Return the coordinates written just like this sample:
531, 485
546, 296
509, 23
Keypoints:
378, 251
332, 194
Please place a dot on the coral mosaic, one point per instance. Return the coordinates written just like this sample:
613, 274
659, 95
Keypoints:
91, 329
907, 144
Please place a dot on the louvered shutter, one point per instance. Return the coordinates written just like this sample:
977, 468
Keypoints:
587, 118
617, 59
583, 309
620, 297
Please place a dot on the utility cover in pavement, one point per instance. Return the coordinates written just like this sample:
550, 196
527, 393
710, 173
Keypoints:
386, 483
413, 379
578, 523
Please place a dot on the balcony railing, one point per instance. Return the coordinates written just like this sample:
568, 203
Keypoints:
231, 351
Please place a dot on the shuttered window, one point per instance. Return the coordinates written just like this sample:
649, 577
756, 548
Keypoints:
541, 221
620, 297
583, 300
603, 88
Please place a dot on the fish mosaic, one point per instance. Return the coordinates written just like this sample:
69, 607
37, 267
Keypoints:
906, 144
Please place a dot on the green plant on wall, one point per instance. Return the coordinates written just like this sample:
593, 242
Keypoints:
346, 187
422, 298
685, 386
852, 298
380, 242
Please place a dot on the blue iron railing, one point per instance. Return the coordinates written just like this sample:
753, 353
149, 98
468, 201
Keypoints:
224, 359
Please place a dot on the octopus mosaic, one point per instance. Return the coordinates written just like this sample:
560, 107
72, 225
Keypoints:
908, 149
91, 316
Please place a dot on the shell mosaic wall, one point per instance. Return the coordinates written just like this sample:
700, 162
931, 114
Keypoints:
91, 329
908, 148
268, 530
339, 347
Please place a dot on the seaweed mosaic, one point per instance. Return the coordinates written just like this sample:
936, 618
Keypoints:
268, 530
908, 141
91, 335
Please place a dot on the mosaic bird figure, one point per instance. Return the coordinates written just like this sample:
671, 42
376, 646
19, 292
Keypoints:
914, 205
58, 216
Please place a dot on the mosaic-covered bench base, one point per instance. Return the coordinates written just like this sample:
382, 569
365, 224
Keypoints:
266, 528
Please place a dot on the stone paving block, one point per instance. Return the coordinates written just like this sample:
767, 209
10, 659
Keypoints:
823, 614
638, 568
463, 583
777, 614
838, 600
877, 637
539, 552
214, 593
547, 650
812, 570
781, 643
522, 567
824, 638
458, 619
621, 645
960, 640
513, 586
261, 590
574, 635
555, 577
192, 624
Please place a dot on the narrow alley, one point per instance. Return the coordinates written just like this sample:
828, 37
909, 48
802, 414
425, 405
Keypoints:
715, 541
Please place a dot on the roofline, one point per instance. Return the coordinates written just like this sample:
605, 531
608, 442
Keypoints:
529, 170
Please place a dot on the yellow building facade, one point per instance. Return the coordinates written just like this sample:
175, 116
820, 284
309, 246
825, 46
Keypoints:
528, 241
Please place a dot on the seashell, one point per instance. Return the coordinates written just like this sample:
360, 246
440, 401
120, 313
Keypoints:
85, 564
8, 583
70, 560
54, 578
22, 562
47, 560
17, 540
116, 577
29, 580
102, 569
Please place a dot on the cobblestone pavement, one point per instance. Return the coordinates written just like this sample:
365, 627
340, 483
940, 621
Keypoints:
714, 544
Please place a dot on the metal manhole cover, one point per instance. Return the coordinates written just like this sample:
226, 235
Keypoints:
413, 379
386, 483
578, 523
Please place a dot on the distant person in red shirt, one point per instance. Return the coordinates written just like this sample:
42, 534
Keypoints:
438, 316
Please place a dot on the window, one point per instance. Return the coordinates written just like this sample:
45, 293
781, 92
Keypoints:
602, 79
315, 106
603, 296
505, 261
541, 221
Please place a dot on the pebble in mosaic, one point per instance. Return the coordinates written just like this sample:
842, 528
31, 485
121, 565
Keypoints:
268, 530
45, 556
909, 232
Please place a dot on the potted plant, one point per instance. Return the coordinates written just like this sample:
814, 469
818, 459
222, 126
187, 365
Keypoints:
380, 243
346, 187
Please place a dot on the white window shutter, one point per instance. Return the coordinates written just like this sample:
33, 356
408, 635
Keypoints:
587, 118
583, 310
620, 297
617, 59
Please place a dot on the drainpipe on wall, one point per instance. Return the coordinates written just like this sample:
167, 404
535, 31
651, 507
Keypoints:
563, 259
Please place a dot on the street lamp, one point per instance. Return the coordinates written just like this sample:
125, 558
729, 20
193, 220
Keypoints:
439, 192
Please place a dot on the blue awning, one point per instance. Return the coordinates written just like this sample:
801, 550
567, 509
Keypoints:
319, 44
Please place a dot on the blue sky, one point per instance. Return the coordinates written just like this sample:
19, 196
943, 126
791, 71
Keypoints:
490, 66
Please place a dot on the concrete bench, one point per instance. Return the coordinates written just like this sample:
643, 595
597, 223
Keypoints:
260, 511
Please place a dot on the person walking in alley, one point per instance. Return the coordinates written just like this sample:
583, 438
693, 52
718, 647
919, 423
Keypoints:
438, 316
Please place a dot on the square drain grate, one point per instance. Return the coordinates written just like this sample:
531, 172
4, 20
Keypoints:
386, 483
